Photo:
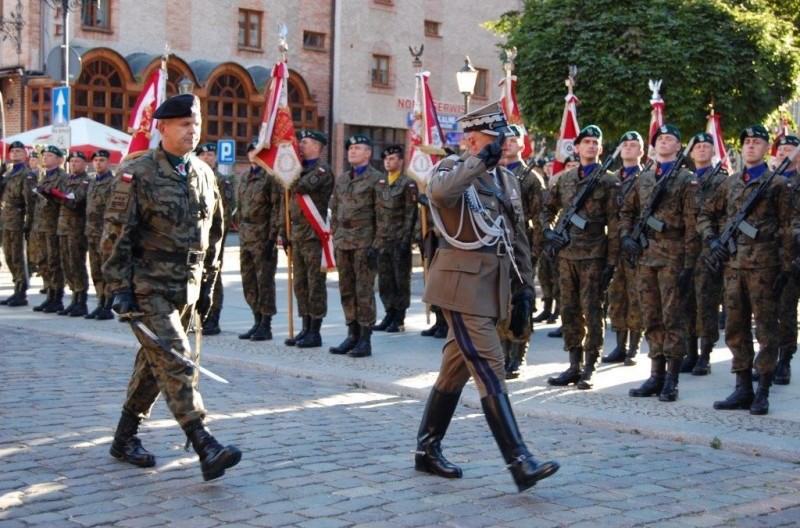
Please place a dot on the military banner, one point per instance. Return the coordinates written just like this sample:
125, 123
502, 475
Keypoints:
141, 124
425, 136
508, 100
656, 114
782, 131
714, 128
565, 146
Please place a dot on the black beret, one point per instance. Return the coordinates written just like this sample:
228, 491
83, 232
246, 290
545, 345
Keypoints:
183, 105
76, 154
671, 130
316, 135
102, 153
754, 131
589, 131
16, 144
54, 150
703, 137
789, 140
357, 139
393, 149
208, 146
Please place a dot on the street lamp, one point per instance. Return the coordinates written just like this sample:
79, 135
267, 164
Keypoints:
185, 86
466, 78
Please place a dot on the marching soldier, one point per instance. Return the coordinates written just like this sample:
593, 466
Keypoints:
395, 217
96, 200
586, 259
208, 154
623, 297
163, 233
311, 256
666, 264
353, 226
260, 220
17, 208
476, 255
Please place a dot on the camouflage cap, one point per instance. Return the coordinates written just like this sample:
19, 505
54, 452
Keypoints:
754, 131
393, 149
357, 139
589, 131
703, 137
316, 135
183, 105
76, 154
101, 153
670, 130
789, 140
54, 150
632, 135
208, 146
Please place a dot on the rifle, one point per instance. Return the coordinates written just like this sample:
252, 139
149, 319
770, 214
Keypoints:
628, 184
739, 223
646, 219
571, 216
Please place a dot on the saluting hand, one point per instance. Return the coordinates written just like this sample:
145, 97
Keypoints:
490, 154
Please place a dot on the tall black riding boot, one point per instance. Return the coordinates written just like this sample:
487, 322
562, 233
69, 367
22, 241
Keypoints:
703, 366
585, 383
783, 369
349, 343
516, 354
249, 333
655, 382
669, 392
742, 396
546, 313
385, 322
633, 347
20, 295
127, 446
101, 301
398, 323
690, 359
618, 354
211, 324
264, 330
435, 421
313, 338
214, 459
51, 293
573, 373
73, 302
80, 308
57, 304
524, 468
106, 313
292, 341
760, 403
364, 346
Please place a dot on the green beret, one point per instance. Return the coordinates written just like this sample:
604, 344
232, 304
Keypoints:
252, 144
632, 135
703, 137
316, 135
183, 105
208, 146
789, 140
54, 150
357, 139
102, 153
671, 130
16, 144
393, 149
754, 131
589, 131
76, 154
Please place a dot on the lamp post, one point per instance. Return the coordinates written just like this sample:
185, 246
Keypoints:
185, 86
466, 78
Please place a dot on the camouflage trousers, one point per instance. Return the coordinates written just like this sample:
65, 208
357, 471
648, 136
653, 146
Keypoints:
356, 286
702, 314
749, 295
662, 310
787, 315
158, 372
394, 278
14, 251
623, 300
73, 249
309, 279
581, 303
96, 265
48, 260
548, 278
217, 295
258, 276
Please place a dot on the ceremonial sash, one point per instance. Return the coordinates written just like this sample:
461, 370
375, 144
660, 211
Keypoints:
322, 228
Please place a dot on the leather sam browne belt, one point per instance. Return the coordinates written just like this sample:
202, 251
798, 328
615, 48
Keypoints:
498, 249
177, 257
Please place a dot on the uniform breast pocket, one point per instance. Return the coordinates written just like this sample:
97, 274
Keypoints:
460, 278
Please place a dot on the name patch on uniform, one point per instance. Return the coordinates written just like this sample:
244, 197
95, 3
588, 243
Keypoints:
119, 202
127, 178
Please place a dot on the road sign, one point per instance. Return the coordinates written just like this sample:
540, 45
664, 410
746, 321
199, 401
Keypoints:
55, 64
62, 137
60, 103
226, 151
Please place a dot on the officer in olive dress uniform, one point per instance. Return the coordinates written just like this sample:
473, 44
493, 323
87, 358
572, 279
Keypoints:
96, 201
17, 215
463, 281
162, 237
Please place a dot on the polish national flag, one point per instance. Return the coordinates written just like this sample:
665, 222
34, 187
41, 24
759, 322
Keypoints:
656, 114
141, 123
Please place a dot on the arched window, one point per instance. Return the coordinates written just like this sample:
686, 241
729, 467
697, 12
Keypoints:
100, 94
303, 108
229, 113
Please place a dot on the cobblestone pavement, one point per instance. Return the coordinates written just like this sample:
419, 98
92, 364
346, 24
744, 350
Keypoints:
319, 454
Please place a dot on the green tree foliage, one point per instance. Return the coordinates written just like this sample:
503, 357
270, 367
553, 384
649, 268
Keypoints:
742, 57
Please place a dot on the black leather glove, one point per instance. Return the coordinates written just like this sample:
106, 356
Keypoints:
204, 299
125, 303
780, 282
490, 154
423, 199
608, 274
372, 258
554, 239
630, 246
685, 280
718, 250
521, 311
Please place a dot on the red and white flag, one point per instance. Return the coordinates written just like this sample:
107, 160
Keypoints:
565, 146
141, 123
714, 128
782, 131
425, 137
508, 101
656, 114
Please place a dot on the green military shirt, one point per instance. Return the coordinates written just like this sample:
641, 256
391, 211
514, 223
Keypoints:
395, 211
96, 200
17, 205
317, 182
353, 209
260, 213
72, 216
532, 188
46, 212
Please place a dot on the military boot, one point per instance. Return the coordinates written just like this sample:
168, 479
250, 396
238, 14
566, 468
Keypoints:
398, 323
101, 302
555, 315
106, 314
364, 346
618, 354
439, 320
385, 322
264, 330
312, 339
349, 343
214, 459
760, 405
127, 446
435, 420
442, 330
703, 366
585, 383
21, 292
655, 383
249, 333
633, 347
80, 309
211, 324
546, 312
57, 303
292, 341
12, 297
669, 392
51, 293
742, 396
524, 468
73, 302
573, 373
783, 369
690, 359
516, 354
557, 333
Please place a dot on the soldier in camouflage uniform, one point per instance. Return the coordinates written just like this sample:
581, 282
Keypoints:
586, 260
208, 154
546, 269
666, 265
532, 190
353, 226
32, 250
162, 237
96, 199
45, 224
260, 220
17, 206
395, 216
314, 186
623, 297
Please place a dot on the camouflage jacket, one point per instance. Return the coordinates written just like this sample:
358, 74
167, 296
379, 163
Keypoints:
705, 190
228, 194
678, 242
317, 182
395, 211
96, 200
625, 184
353, 209
17, 208
260, 214
46, 212
533, 193
72, 216
163, 231
600, 238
